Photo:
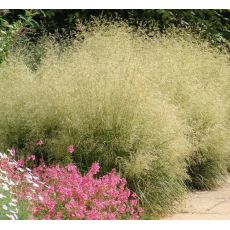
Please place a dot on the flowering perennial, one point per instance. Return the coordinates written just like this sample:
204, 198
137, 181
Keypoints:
61, 192
40, 142
72, 196
70, 149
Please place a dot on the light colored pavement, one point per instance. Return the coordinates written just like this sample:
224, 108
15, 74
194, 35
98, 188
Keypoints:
205, 205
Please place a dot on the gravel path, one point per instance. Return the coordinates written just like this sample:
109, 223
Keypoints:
205, 205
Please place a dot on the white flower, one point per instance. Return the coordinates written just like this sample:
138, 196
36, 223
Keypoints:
4, 207
12, 204
36, 185
5, 187
11, 182
2, 171
3, 155
20, 169
29, 176
12, 211
30, 181
14, 200
2, 196
3, 178
11, 217
40, 198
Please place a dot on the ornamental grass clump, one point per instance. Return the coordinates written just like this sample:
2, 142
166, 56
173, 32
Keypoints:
153, 108
196, 83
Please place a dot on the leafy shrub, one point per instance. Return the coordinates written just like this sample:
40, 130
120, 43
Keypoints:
13, 34
151, 108
213, 24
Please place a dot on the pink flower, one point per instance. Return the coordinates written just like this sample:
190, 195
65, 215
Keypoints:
12, 151
20, 163
31, 157
141, 211
94, 168
62, 192
70, 149
133, 202
58, 216
40, 142
111, 216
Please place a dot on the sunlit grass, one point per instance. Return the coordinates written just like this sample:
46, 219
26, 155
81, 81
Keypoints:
156, 109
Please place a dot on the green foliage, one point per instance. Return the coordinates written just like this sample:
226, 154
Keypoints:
23, 210
213, 25
7, 209
12, 34
4, 201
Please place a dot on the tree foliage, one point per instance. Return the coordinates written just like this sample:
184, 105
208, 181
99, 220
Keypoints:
28, 25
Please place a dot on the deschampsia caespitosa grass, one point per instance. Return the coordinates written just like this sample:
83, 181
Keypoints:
157, 109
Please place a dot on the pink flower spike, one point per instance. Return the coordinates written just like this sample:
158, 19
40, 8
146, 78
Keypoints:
40, 142
12, 151
70, 149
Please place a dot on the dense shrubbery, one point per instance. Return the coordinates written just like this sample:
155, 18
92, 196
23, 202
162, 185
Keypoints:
213, 25
14, 33
155, 109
